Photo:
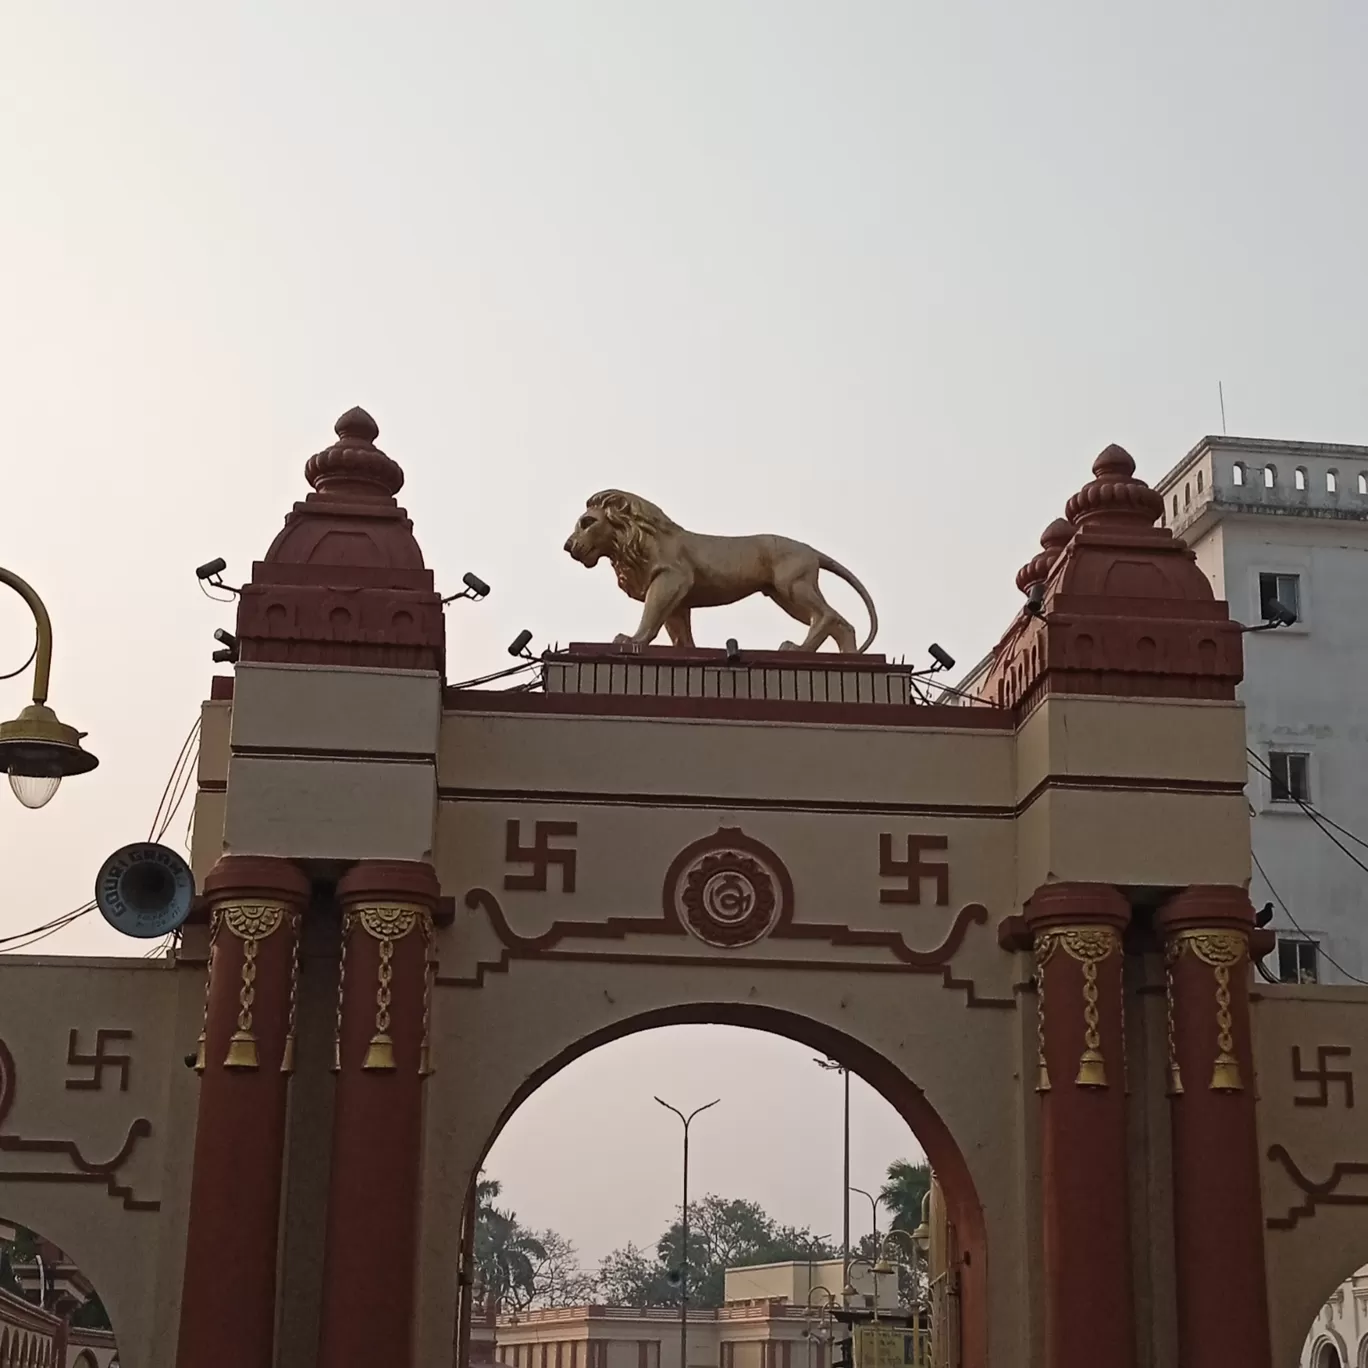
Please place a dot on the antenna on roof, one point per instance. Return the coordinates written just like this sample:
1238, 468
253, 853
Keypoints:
1220, 392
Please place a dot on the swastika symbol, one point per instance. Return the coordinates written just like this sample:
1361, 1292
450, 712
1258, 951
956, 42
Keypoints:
98, 1062
1323, 1076
913, 869
541, 855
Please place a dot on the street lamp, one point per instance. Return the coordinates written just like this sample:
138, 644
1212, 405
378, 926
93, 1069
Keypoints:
37, 750
830, 1064
684, 1242
873, 1211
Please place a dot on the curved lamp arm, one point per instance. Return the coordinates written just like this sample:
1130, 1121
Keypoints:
42, 668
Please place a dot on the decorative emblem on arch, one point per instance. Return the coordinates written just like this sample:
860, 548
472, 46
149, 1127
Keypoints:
728, 890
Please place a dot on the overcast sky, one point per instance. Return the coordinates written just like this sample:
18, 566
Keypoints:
883, 276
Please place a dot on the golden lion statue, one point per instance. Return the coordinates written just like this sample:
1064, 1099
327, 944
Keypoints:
672, 571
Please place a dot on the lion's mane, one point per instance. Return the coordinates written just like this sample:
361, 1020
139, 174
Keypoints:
636, 524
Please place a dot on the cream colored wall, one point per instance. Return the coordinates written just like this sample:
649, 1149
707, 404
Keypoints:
1322, 1249
332, 764
1150, 828
134, 1258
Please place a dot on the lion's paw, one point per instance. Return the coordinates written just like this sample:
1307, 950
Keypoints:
789, 646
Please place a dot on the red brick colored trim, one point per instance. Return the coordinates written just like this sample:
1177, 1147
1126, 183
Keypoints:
932, 717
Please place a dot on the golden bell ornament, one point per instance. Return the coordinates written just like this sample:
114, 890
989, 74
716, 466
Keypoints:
242, 1051
200, 1061
1092, 1071
1225, 1075
287, 1056
380, 1054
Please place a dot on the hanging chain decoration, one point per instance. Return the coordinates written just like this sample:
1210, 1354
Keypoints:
287, 1056
429, 974
215, 921
1175, 1074
1221, 951
385, 923
1089, 946
251, 923
341, 989
1044, 948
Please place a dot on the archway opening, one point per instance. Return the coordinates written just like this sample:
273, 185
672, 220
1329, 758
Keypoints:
938, 1260
51, 1313
1338, 1334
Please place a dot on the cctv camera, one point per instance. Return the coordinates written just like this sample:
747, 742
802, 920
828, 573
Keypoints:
212, 568
733, 652
941, 656
1035, 599
1280, 613
475, 584
518, 646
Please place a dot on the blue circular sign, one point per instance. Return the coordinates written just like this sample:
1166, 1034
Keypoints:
145, 890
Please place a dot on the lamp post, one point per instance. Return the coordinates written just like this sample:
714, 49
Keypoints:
873, 1212
830, 1064
36, 750
684, 1242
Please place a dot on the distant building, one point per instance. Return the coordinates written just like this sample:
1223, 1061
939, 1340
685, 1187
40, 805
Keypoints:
768, 1320
1285, 525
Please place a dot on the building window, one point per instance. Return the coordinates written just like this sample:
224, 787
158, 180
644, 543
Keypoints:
1299, 477
1332, 481
1298, 960
1363, 484
1283, 589
1289, 776
1187, 496
1175, 505
1270, 476
1199, 481
1237, 472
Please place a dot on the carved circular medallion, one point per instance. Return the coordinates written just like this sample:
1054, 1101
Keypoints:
728, 890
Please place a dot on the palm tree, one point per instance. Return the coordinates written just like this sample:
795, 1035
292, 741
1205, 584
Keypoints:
902, 1194
506, 1257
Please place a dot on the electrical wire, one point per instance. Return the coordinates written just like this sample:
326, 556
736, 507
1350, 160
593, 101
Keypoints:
1317, 817
173, 796
1277, 897
26, 663
213, 598
499, 674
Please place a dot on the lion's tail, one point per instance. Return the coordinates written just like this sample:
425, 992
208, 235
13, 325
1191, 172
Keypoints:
841, 572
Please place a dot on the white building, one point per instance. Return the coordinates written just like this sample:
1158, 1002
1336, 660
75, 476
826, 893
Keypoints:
1287, 522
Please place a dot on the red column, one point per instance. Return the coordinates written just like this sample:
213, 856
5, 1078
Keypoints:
245, 1057
1081, 1078
1218, 1209
369, 1267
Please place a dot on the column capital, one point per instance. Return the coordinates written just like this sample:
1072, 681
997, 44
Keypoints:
1207, 907
1076, 904
390, 881
256, 876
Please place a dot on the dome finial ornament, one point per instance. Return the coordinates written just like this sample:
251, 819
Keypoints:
354, 467
357, 425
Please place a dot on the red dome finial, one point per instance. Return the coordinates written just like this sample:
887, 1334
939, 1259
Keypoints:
354, 467
1053, 540
1115, 494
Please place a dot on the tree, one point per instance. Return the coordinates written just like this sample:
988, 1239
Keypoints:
902, 1194
506, 1257
631, 1277
558, 1279
723, 1233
